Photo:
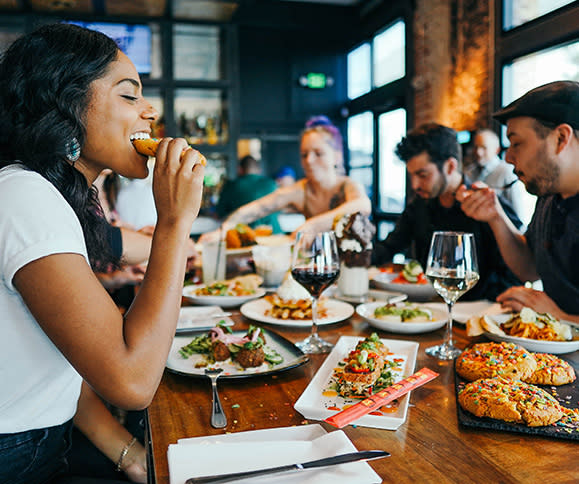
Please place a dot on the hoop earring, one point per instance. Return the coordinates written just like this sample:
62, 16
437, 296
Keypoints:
73, 151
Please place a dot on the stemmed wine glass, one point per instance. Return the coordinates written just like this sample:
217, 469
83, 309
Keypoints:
315, 265
452, 269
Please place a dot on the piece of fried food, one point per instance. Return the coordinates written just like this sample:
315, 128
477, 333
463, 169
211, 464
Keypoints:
220, 351
250, 358
511, 401
232, 239
551, 370
299, 309
149, 146
487, 360
363, 367
246, 234
241, 235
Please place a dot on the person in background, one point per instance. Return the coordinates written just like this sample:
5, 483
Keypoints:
322, 195
543, 128
285, 176
494, 172
249, 185
288, 218
71, 102
108, 185
432, 156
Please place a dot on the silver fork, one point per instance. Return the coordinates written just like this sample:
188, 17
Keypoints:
218, 418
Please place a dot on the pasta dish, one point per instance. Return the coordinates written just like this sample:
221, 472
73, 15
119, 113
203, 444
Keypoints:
539, 326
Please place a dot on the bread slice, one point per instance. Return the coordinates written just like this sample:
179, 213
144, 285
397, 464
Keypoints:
491, 326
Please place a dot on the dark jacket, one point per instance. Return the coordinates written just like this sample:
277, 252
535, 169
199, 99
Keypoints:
422, 217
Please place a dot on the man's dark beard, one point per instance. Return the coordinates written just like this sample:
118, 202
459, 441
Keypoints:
443, 186
547, 184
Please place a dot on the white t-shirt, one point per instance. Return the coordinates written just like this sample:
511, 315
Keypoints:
39, 387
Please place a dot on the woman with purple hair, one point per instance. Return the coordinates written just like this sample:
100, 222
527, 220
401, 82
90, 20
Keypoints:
322, 195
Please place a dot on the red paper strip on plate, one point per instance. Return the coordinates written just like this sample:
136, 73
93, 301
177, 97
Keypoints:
343, 418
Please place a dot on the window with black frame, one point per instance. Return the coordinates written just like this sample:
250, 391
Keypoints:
525, 61
374, 67
519, 12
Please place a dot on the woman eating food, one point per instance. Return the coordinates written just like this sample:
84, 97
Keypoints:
71, 105
321, 196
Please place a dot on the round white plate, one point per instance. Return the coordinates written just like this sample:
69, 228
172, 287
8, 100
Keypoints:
367, 312
221, 301
416, 292
539, 346
337, 311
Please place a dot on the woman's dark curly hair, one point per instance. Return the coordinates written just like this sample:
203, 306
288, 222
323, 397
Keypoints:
45, 80
440, 142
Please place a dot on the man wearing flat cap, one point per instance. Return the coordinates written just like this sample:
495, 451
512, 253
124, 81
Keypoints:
543, 129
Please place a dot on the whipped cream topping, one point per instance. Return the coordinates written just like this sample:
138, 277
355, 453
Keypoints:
354, 232
351, 244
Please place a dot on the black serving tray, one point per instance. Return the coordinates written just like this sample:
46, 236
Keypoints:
567, 395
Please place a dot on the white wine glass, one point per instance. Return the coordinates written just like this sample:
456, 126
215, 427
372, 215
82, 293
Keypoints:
315, 265
452, 269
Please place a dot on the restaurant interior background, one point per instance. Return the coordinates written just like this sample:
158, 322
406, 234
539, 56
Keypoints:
242, 76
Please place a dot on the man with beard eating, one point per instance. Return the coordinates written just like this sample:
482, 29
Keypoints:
543, 128
433, 159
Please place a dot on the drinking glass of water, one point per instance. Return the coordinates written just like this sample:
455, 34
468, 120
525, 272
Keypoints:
452, 269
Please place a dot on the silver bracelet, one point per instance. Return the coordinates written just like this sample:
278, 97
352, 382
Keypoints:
124, 452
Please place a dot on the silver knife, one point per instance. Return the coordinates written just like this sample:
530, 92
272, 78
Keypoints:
328, 461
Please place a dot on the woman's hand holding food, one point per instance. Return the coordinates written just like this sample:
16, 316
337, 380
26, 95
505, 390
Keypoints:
178, 182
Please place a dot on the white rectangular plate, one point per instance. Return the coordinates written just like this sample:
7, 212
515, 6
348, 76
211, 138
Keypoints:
260, 449
314, 404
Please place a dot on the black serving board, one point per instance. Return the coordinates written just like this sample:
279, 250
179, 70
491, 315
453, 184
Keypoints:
567, 395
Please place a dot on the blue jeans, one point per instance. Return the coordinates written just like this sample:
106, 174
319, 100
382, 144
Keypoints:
35, 456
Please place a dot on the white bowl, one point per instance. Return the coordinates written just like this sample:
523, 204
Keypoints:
367, 312
540, 346
221, 301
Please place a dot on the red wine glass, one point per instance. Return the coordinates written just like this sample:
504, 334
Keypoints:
315, 265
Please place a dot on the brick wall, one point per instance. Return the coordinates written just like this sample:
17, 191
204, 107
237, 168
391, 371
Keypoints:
453, 62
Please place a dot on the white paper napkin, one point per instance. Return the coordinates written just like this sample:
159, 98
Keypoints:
200, 317
226, 454
462, 311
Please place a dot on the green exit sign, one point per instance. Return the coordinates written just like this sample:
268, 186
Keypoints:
316, 80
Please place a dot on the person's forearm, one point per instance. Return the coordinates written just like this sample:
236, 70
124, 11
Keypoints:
261, 207
514, 249
247, 214
136, 246
156, 305
97, 423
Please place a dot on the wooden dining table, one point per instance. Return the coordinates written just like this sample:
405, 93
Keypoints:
430, 446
